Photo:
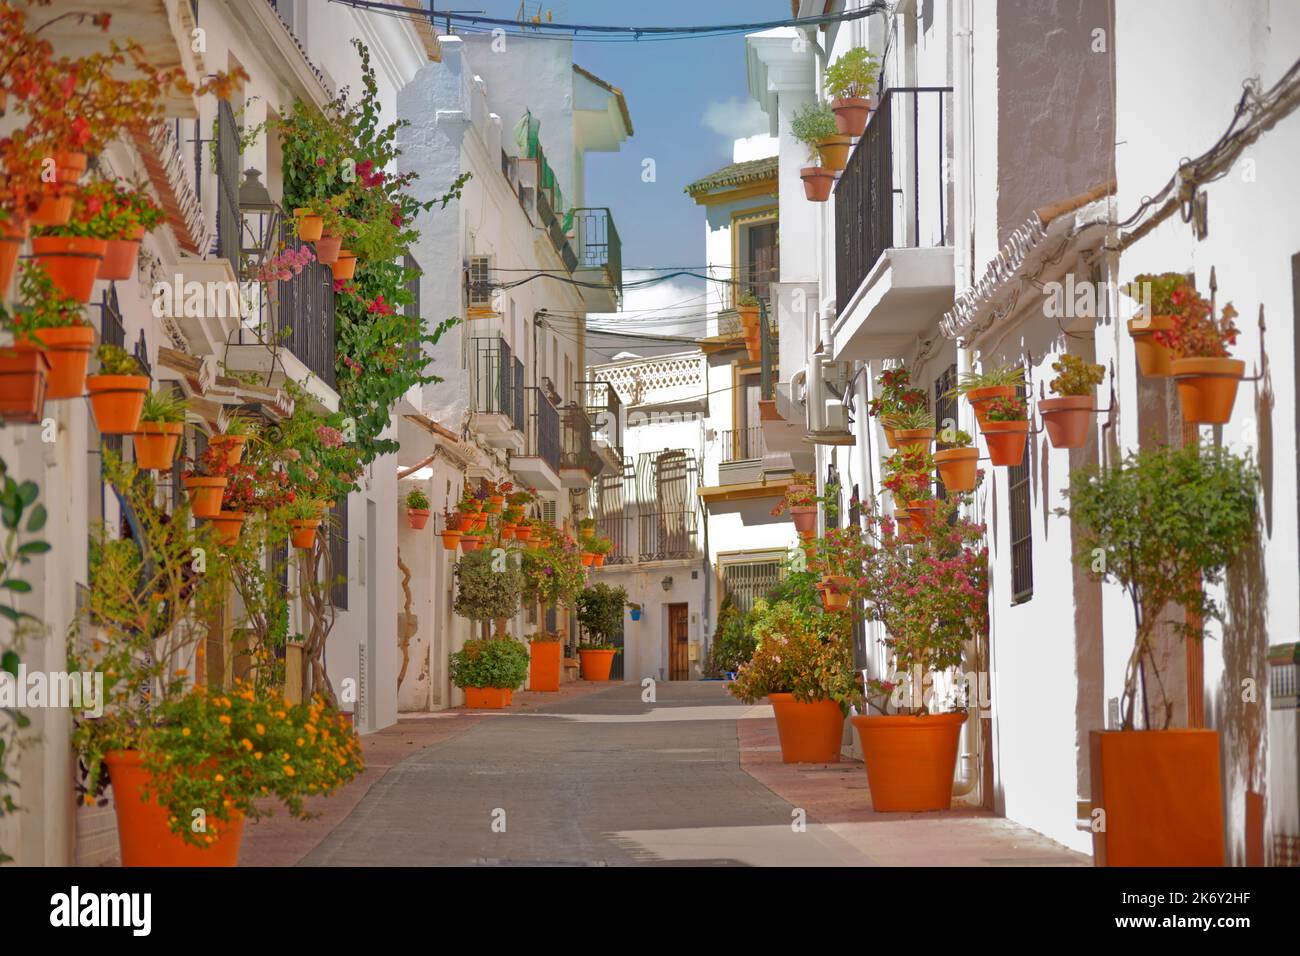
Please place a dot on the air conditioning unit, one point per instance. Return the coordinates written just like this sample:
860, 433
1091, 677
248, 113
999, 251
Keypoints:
828, 419
478, 279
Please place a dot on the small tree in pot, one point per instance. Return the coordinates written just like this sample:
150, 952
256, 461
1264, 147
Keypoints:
488, 588
600, 612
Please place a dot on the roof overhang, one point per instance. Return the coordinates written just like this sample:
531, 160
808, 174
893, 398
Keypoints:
742, 491
776, 63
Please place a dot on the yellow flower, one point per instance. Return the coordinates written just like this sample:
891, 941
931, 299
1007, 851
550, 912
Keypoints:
185, 731
288, 771
257, 755
260, 730
248, 744
219, 778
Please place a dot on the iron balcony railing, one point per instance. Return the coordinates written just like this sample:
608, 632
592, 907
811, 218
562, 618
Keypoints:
541, 428
609, 506
303, 316
555, 229
666, 483
893, 193
598, 244
605, 411
498, 380
767, 353
742, 444
576, 449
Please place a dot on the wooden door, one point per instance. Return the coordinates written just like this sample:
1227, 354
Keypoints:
679, 654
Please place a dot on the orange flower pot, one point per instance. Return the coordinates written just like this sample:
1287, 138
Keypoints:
304, 531
495, 502
480, 522
817, 183
418, 517
544, 659
142, 830
68, 349
12, 236
450, 540
1006, 441
205, 495
910, 760
155, 444
749, 319
913, 437
1067, 419
120, 256
1160, 790
345, 266
891, 438
980, 399
116, 401
232, 445
1152, 358
832, 600
808, 535
23, 373
834, 152
957, 468
598, 560
507, 531
596, 663
851, 114
228, 524
1207, 388
71, 261
308, 226
587, 558
470, 542
327, 249
920, 514
71, 167
54, 210
488, 698
523, 534
805, 518
809, 733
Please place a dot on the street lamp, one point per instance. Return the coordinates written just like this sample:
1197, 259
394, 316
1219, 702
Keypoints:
259, 234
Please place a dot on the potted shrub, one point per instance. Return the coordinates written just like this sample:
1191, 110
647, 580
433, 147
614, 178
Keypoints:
908, 477
930, 593
124, 218
489, 670
1206, 374
1165, 523
51, 321
545, 655
162, 422
803, 509
600, 548
206, 483
814, 125
487, 590
849, 82
912, 427
304, 520
600, 612
747, 309
1153, 291
803, 663
1067, 416
117, 391
957, 461
72, 254
417, 508
1006, 430
634, 610
981, 388
894, 395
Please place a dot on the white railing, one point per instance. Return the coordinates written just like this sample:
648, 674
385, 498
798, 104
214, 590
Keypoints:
657, 380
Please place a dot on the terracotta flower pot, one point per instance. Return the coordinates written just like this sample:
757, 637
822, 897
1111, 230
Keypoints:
12, 236
910, 760
1006, 441
308, 226
507, 531
120, 256
142, 831
891, 436
808, 535
809, 733
23, 373
587, 558
205, 495
68, 349
805, 517
544, 660
480, 522
523, 534
753, 351
418, 517
470, 542
832, 600
450, 540
304, 531
1207, 387
749, 319
232, 445
228, 524
957, 468
834, 152
116, 401
598, 560
54, 210
1067, 419
345, 266
327, 249
980, 398
488, 698
920, 514
1153, 358
851, 114
71, 167
596, 664
1161, 791
155, 444
817, 183
913, 437
71, 261
495, 503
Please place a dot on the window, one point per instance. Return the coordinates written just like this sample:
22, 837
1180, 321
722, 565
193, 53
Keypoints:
756, 253
747, 581
945, 410
338, 566
1020, 492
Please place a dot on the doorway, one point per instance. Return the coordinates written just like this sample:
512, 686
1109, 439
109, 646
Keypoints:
679, 651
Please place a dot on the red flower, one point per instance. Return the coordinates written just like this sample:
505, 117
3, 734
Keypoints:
80, 131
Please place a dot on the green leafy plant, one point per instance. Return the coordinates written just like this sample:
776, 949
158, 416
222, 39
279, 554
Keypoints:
955, 438
164, 408
115, 360
733, 639
1160, 286
1007, 409
812, 124
798, 651
45, 305
488, 586
306, 509
894, 394
417, 500
1164, 524
908, 474
907, 419
552, 567
600, 612
1074, 376
853, 75
747, 300
490, 662
1000, 377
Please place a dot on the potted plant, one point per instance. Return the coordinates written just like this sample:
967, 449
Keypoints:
1164, 524
912, 427
803, 663
803, 509
52, 321
308, 223
13, 233
1067, 416
545, 655
304, 520
162, 422
117, 391
417, 508
72, 254
747, 309
957, 461
1006, 429
600, 547
450, 530
231, 434
489, 670
23, 374
1206, 374
487, 590
634, 610
814, 125
894, 395
907, 477
1153, 291
600, 612
982, 387
206, 483
849, 82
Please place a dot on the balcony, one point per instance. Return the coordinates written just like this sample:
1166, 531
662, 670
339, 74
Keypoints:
893, 231
497, 394
742, 455
599, 254
579, 463
667, 528
605, 412
539, 464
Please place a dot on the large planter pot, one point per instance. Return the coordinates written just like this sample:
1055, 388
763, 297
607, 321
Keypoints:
913, 437
228, 524
809, 733
155, 444
304, 531
910, 760
1153, 358
205, 495
544, 660
232, 445
418, 517
116, 401
980, 398
68, 349
834, 152
1160, 790
1006, 441
327, 249
345, 266
596, 664
851, 114
1207, 388
488, 698
23, 374
805, 518
71, 261
957, 468
120, 256
142, 830
308, 226
817, 183
1067, 419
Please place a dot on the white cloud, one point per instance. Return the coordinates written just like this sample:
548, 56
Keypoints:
735, 118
